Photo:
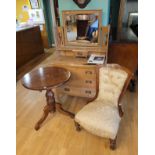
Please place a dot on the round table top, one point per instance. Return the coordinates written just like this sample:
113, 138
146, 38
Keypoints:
45, 77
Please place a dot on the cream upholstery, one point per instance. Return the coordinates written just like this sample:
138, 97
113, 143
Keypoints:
101, 120
111, 82
101, 117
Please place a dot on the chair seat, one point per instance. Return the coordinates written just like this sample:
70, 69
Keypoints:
100, 119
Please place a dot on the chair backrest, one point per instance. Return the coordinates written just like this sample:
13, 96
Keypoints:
112, 79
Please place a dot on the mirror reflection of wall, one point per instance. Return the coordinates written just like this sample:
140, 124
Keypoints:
82, 28
71, 27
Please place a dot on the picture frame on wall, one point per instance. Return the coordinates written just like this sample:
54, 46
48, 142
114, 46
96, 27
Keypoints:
34, 4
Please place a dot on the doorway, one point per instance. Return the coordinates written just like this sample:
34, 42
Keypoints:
114, 14
124, 20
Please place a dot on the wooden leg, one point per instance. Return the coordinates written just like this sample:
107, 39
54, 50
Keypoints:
77, 125
121, 113
132, 85
60, 109
113, 144
50, 107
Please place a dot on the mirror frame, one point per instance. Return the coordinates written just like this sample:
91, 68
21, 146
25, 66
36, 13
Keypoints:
75, 12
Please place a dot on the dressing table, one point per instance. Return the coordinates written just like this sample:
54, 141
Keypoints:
73, 50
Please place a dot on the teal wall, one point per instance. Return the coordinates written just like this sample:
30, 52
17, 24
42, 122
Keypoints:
45, 5
48, 18
104, 5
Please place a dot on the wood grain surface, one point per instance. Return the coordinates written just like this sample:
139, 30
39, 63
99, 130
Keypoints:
45, 78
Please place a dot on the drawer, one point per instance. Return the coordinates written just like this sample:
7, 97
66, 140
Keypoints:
79, 53
67, 53
75, 53
74, 91
82, 73
89, 72
87, 83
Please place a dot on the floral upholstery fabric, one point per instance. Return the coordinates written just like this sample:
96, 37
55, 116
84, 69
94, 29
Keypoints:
101, 117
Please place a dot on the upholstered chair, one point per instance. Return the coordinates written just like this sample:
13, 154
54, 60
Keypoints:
103, 114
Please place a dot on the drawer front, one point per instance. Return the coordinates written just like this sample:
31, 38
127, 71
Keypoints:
79, 53
67, 53
82, 73
75, 53
81, 92
82, 83
88, 73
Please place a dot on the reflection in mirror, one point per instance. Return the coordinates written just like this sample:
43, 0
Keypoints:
82, 28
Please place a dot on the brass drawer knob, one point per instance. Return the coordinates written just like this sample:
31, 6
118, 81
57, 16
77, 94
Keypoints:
88, 81
88, 91
66, 89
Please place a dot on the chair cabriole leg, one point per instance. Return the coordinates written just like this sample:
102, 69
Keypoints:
113, 144
77, 125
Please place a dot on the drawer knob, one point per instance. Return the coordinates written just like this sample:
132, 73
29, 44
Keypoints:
66, 89
88, 81
88, 72
88, 91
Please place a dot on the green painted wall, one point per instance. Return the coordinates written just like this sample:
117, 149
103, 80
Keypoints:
93, 5
45, 4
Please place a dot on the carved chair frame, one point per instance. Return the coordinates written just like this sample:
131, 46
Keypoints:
130, 75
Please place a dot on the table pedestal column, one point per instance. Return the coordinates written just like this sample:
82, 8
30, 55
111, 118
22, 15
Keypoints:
50, 107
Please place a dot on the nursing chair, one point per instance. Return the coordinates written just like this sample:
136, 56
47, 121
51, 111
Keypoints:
103, 114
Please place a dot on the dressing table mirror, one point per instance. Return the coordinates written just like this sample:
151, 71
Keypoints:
82, 34
82, 28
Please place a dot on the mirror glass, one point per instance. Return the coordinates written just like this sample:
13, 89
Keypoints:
82, 28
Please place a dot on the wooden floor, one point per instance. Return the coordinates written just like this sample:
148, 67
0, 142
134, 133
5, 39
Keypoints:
58, 136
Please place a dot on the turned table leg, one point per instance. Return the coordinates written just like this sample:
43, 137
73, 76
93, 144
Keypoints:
63, 111
77, 125
50, 107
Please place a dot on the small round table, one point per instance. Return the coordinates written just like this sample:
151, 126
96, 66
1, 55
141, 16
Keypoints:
47, 78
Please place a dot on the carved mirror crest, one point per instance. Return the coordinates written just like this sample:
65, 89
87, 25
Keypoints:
82, 3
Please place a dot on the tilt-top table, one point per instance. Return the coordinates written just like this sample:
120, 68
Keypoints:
47, 78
